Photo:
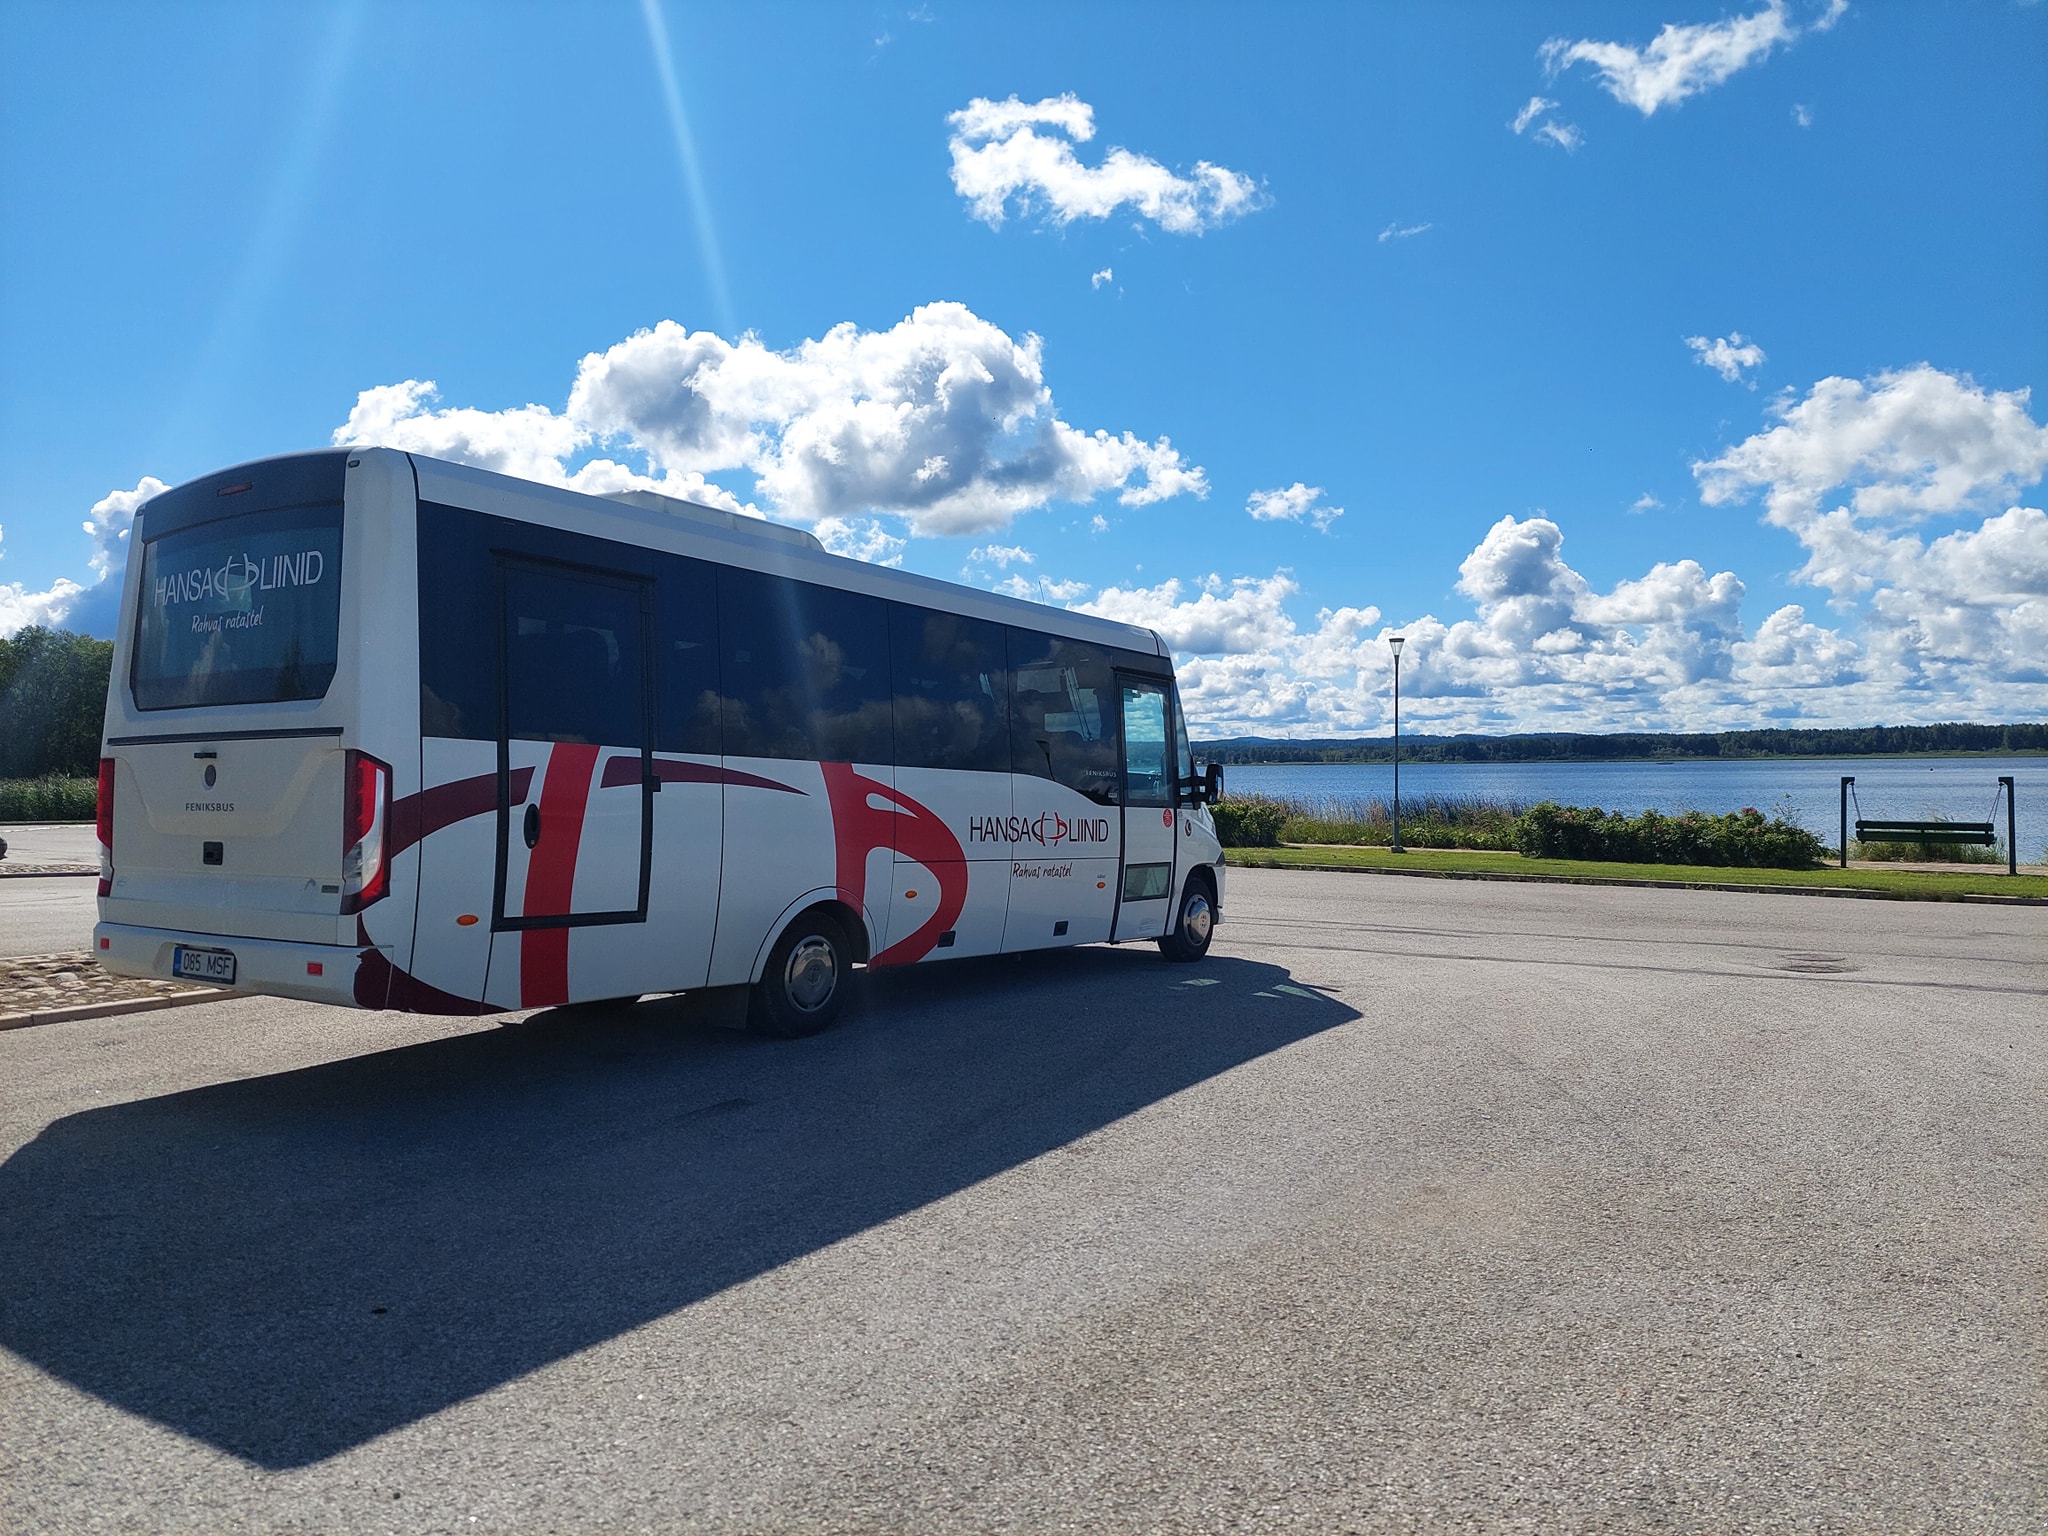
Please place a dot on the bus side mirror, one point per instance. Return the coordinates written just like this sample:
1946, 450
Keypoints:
1206, 787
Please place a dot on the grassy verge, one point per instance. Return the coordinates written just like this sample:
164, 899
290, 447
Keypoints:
1907, 883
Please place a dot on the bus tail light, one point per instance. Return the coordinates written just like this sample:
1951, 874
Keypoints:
365, 799
103, 815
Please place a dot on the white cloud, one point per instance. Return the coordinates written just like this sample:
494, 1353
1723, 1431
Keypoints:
1802, 114
1004, 150
107, 525
1003, 555
943, 420
1097, 279
1958, 624
1727, 355
1400, 231
1297, 503
1912, 443
1680, 61
1547, 130
860, 538
1242, 615
1645, 503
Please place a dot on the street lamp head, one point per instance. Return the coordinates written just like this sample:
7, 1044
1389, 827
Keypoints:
1395, 642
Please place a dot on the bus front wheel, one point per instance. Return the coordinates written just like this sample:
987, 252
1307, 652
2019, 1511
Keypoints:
1194, 923
804, 985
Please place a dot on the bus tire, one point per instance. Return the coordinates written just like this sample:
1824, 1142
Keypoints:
1194, 921
803, 987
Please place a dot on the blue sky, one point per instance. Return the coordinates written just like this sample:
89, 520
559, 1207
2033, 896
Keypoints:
1649, 366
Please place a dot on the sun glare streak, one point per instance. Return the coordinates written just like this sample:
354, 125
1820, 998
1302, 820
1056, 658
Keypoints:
686, 155
267, 250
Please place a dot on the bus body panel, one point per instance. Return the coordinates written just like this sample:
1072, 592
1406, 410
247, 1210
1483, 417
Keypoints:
532, 865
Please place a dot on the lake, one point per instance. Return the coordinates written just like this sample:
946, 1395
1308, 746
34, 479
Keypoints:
1807, 790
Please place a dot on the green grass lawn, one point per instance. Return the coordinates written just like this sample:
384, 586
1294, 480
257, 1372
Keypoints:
1905, 883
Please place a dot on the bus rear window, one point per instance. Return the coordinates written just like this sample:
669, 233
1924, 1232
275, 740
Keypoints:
241, 610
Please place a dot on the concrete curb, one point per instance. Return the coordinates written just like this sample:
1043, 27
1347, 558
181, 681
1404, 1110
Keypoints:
110, 1010
1859, 892
43, 872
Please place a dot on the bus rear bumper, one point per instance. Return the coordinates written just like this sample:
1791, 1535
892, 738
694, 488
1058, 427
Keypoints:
315, 973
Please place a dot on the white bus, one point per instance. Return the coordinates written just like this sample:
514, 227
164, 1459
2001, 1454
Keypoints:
390, 732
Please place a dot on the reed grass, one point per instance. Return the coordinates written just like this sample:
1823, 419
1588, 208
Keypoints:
50, 798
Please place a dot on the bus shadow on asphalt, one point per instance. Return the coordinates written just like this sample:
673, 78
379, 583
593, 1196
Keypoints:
287, 1266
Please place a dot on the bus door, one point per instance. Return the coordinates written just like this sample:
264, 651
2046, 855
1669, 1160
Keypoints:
1145, 895
575, 783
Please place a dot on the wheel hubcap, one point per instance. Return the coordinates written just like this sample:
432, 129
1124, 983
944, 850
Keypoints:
812, 973
1196, 918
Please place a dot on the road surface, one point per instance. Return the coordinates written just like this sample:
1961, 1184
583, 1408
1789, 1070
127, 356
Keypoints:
1421, 1205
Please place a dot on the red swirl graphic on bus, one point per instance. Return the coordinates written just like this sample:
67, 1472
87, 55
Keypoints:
859, 828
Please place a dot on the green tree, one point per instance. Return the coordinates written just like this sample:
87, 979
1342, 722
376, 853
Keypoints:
53, 701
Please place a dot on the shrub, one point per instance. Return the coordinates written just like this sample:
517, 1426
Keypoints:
1248, 823
1743, 839
50, 798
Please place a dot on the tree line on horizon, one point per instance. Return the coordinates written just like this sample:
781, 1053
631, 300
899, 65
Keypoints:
1573, 746
53, 703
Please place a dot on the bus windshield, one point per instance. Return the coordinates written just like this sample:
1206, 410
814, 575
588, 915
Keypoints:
240, 610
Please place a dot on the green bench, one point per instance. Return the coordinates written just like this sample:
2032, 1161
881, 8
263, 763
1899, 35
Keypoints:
1935, 834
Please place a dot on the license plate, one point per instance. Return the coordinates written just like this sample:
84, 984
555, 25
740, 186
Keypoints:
214, 965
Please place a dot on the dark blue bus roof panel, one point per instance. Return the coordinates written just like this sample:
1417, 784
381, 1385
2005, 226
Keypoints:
293, 480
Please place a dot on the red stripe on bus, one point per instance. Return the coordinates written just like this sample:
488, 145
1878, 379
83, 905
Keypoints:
625, 769
551, 875
415, 818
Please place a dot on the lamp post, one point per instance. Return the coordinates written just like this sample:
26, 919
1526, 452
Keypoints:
1395, 642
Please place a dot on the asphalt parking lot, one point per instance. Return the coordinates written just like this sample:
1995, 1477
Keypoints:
1421, 1205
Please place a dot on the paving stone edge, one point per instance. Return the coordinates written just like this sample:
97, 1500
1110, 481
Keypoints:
108, 1010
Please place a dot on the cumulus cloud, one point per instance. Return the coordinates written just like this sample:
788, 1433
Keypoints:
90, 605
1645, 503
1297, 503
1097, 279
1011, 150
1912, 443
1727, 355
943, 420
1680, 61
1958, 621
1535, 120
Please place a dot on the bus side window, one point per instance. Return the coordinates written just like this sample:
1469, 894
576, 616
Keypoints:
1063, 714
686, 604
458, 624
952, 690
803, 670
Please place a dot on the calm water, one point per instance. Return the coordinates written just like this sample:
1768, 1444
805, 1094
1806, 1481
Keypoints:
1806, 789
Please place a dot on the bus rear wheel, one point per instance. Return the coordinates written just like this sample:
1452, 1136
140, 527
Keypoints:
804, 985
1194, 922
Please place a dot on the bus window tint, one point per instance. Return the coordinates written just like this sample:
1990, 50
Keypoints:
572, 659
1146, 781
686, 604
951, 688
240, 610
804, 670
1063, 714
